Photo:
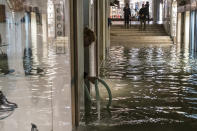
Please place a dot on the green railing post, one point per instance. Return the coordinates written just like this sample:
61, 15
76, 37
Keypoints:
87, 92
97, 91
108, 90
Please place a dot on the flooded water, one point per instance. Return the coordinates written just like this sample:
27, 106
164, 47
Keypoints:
151, 86
35, 74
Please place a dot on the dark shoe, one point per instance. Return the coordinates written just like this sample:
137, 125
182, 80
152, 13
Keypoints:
14, 105
4, 101
4, 108
33, 127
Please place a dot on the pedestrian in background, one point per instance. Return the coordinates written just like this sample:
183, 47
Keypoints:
147, 11
142, 16
127, 15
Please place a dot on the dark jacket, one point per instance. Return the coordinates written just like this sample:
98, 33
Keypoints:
127, 12
142, 13
147, 9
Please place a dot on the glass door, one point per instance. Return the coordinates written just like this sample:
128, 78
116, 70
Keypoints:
35, 67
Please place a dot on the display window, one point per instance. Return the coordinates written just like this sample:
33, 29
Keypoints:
135, 6
35, 71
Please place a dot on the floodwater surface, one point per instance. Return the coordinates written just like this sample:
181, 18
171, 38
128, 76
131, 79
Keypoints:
152, 86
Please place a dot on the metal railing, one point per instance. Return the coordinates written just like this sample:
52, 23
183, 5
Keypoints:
97, 81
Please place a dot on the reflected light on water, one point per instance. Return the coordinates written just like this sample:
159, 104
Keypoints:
34, 37
150, 85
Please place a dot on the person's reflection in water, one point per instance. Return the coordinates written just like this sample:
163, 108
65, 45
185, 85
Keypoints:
27, 61
4, 64
28, 64
4, 68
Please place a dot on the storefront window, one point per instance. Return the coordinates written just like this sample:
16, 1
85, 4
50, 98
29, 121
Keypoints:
117, 12
35, 66
135, 6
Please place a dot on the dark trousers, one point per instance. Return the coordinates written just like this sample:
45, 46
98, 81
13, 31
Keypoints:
126, 21
148, 17
143, 22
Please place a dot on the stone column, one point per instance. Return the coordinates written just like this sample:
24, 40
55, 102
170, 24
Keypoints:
86, 24
156, 10
77, 57
45, 35
106, 24
102, 27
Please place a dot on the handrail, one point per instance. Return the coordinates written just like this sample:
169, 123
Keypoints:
108, 90
87, 92
97, 91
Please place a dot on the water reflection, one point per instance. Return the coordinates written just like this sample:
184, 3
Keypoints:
34, 76
150, 85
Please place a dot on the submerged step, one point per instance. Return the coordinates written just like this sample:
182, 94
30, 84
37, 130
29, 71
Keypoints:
123, 29
154, 34
142, 42
142, 34
142, 37
138, 33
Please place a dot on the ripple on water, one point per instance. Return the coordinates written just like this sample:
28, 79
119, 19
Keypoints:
161, 85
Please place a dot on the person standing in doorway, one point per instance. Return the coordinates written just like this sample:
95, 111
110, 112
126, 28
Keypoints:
147, 10
127, 15
142, 16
